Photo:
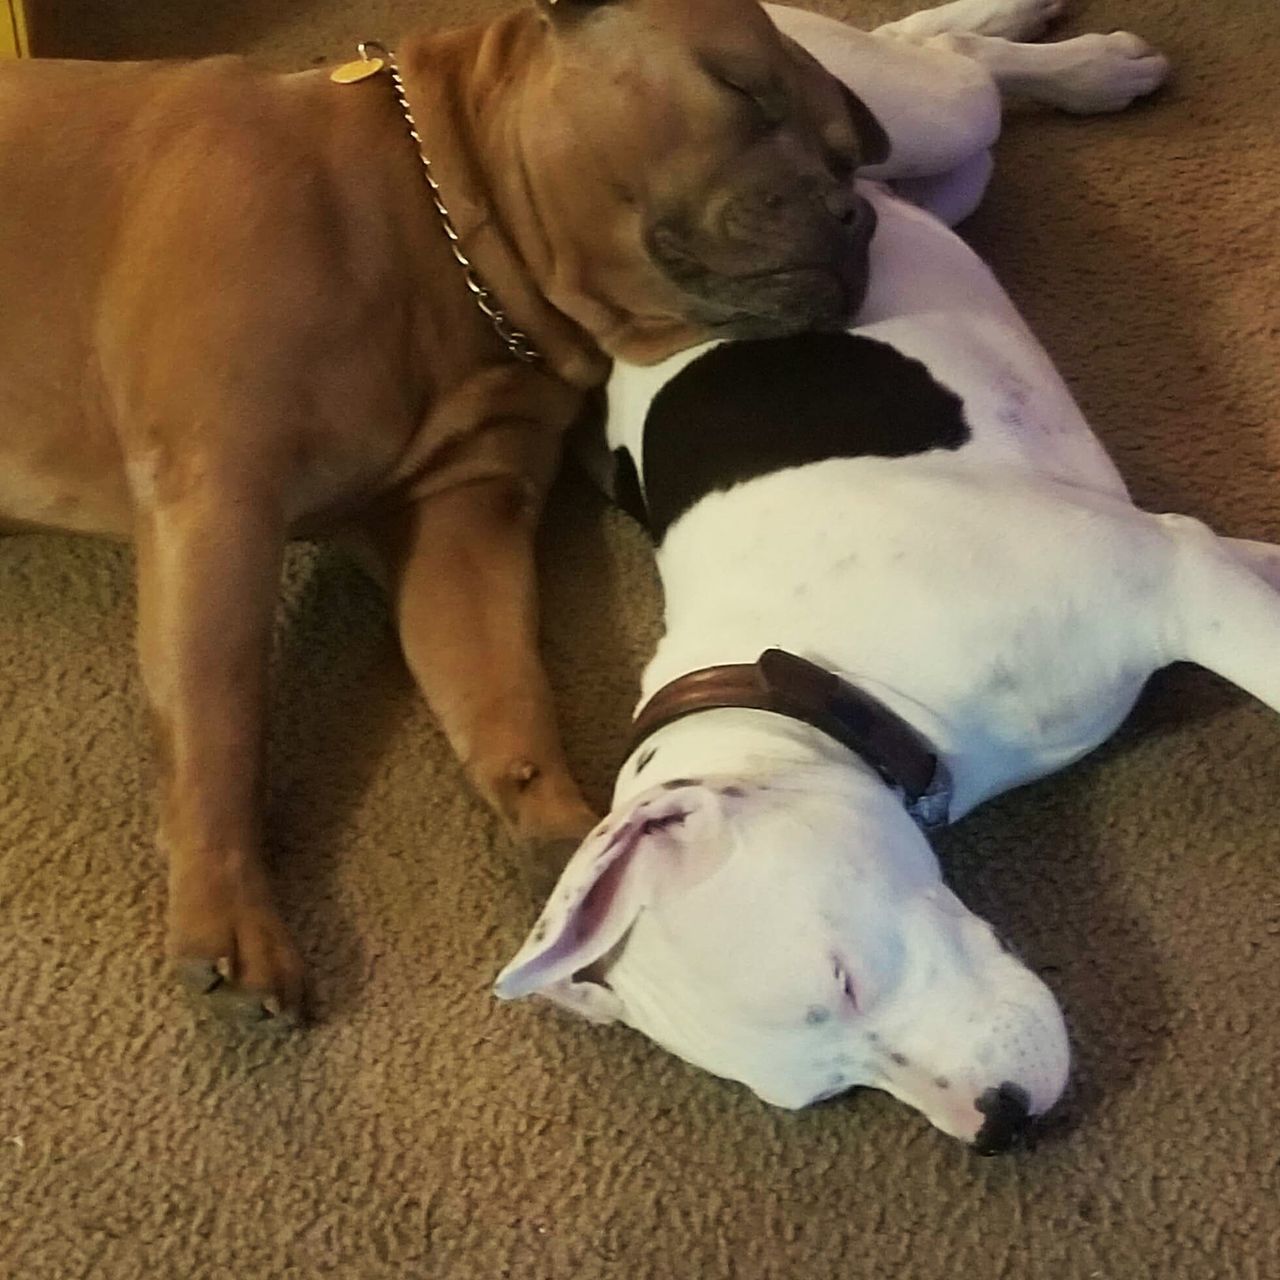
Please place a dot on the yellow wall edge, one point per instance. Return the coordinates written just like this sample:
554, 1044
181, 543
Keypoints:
14, 42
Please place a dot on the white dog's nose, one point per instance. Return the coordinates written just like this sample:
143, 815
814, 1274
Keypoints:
1008, 1119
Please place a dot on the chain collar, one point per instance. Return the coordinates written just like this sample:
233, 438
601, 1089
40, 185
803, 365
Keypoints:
373, 57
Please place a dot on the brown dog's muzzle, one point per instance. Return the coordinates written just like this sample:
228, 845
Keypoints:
766, 274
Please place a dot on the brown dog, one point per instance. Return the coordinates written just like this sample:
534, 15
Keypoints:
228, 314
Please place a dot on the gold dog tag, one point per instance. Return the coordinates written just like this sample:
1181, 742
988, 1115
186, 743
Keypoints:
354, 72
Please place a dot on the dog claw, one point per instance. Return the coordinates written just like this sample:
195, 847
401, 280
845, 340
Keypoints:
223, 968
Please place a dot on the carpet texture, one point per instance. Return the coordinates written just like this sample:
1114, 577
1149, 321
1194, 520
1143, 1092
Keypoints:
423, 1130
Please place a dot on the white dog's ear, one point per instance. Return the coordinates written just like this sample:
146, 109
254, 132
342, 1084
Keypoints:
667, 839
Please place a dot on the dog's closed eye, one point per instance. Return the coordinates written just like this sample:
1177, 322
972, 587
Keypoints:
653, 825
766, 97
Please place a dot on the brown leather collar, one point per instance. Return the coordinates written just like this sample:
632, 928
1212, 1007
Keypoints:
790, 686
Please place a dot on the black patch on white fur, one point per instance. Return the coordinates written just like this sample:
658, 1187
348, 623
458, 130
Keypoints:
749, 408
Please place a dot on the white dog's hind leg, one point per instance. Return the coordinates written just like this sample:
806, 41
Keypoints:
1262, 557
1086, 75
938, 107
1226, 613
953, 196
1011, 19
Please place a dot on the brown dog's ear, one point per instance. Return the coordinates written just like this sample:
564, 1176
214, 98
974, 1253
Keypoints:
873, 142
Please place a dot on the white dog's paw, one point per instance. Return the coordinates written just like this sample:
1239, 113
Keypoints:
1104, 73
1015, 19
1007, 19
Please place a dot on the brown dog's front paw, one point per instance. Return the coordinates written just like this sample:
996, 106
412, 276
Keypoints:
545, 852
244, 965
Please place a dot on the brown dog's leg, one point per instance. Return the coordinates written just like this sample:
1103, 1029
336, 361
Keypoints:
462, 571
208, 577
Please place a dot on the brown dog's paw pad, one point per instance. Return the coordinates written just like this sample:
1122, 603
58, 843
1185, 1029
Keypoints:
255, 981
253, 1009
198, 977
235, 1004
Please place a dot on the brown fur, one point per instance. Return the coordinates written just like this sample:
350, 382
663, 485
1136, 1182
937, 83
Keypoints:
228, 315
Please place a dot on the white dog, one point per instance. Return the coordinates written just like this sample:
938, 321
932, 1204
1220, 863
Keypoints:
901, 576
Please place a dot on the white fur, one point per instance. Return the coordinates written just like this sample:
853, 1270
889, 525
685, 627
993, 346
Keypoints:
758, 901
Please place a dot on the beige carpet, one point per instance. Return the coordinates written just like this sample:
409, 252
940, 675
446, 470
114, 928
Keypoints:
422, 1130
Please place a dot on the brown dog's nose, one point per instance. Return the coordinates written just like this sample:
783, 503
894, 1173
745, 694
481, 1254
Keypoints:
1008, 1119
857, 220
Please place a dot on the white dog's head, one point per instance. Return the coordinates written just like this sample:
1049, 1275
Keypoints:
794, 934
